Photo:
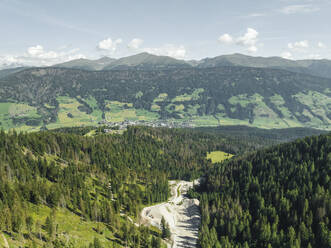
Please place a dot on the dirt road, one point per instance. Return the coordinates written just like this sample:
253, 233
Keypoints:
6, 245
181, 213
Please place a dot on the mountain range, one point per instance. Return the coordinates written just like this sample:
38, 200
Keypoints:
321, 68
225, 90
146, 61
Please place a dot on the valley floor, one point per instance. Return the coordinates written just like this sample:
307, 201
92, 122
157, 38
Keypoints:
181, 213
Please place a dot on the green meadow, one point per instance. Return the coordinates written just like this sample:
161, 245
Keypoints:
218, 156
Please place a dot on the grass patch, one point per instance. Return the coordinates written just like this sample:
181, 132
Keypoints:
146, 115
192, 109
318, 103
188, 97
70, 116
155, 107
18, 111
178, 190
96, 113
71, 229
5, 120
114, 104
218, 156
161, 97
175, 108
221, 107
119, 111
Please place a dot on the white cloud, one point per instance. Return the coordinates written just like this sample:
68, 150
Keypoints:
305, 50
249, 40
298, 45
38, 56
135, 43
109, 45
252, 49
35, 50
297, 9
257, 15
170, 50
39, 52
225, 38
286, 55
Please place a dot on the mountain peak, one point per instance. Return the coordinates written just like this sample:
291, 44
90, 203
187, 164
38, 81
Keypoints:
146, 60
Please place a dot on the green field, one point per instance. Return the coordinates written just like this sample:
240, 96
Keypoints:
206, 120
87, 112
218, 156
69, 115
161, 97
121, 111
318, 103
96, 112
188, 97
155, 107
18, 111
5, 119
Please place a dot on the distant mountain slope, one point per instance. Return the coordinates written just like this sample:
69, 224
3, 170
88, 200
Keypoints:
7, 72
87, 64
262, 137
317, 67
260, 97
320, 68
147, 61
138, 61
248, 61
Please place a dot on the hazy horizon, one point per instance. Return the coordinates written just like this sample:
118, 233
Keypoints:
41, 33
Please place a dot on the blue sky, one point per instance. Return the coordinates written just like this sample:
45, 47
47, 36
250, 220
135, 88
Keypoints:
44, 32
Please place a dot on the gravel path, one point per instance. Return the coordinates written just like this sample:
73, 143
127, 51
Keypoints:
181, 213
5, 241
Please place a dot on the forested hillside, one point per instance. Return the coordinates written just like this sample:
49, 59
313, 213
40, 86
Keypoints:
276, 197
68, 190
258, 97
318, 67
261, 137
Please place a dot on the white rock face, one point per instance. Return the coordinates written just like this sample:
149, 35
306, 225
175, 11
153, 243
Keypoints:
181, 213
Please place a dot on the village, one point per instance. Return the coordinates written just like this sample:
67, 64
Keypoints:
155, 123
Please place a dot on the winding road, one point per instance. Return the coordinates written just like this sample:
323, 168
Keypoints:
181, 213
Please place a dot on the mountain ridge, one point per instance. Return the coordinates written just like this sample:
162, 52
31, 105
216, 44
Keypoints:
147, 61
86, 64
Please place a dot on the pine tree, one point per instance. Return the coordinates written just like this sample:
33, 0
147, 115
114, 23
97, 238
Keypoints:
165, 229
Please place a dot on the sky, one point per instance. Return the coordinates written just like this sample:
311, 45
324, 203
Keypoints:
45, 32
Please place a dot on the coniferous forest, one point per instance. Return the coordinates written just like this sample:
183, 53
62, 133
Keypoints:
276, 197
165, 124
101, 179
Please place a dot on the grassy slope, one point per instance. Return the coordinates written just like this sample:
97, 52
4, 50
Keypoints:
218, 156
69, 113
71, 228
